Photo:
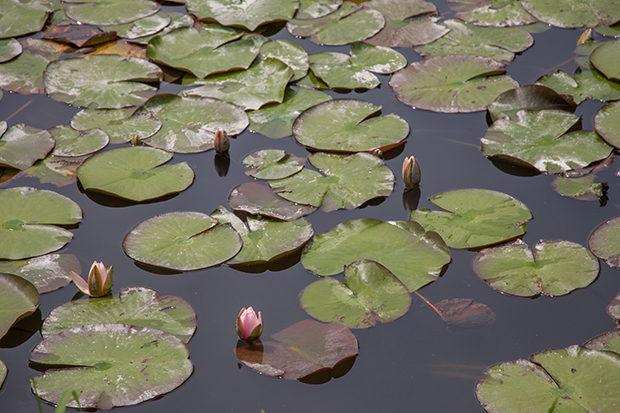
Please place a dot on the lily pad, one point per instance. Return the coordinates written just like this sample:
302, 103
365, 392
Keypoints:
23, 17
145, 26
272, 164
56, 170
347, 182
557, 267
177, 20
248, 14
415, 256
608, 341
449, 84
142, 362
101, 81
528, 97
3, 372
496, 13
89, 119
21, 146
583, 188
28, 216
377, 59
136, 306
72, 143
605, 57
370, 293
189, 123
288, 52
337, 71
586, 84
604, 242
304, 348
9, 48
255, 198
265, 239
134, 173
613, 309
347, 125
182, 241
607, 123
311, 9
109, 12
47, 273
275, 120
538, 139
574, 13
477, 217
118, 124
18, 298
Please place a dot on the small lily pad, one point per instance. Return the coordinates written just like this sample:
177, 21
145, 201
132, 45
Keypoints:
9, 48
370, 293
377, 59
574, 13
118, 124
272, 164
145, 26
183, 241
18, 298
604, 242
288, 52
72, 143
3, 372
478, 217
528, 97
607, 123
21, 146
248, 14
583, 188
23, 17
613, 309
338, 72
109, 12
496, 13
586, 84
557, 267
47, 273
256, 198
311, 9
56, 170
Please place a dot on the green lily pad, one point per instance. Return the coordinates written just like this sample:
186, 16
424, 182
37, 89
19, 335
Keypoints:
415, 256
248, 14
182, 241
604, 242
177, 20
496, 13
449, 84
275, 120
338, 72
3, 372
370, 293
23, 17
347, 181
605, 58
136, 306
258, 199
477, 217
142, 362
72, 143
538, 139
607, 123
189, 123
288, 52
304, 348
134, 173
529, 97
583, 188
347, 125
9, 48
145, 26
497, 43
377, 59
28, 216
265, 239
101, 81
312, 9
557, 267
18, 298
350, 23
56, 170
109, 12
583, 52
608, 341
613, 309
262, 83
47, 273
89, 119
611, 31
118, 124
574, 13
555, 380
21, 146
586, 84
272, 164
407, 23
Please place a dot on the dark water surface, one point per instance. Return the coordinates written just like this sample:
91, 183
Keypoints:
415, 364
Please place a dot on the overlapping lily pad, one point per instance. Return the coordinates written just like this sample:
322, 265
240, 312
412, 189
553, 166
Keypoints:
346, 183
585, 84
72, 143
311, 9
574, 13
47, 273
9, 48
136, 306
347, 125
118, 124
56, 170
145, 26
248, 14
583, 188
377, 59
109, 12
607, 123
27, 222
496, 13
613, 309
18, 299
338, 72
255, 198
177, 20
449, 84
370, 293
555, 268
23, 17
528, 97
134, 173
182, 241
272, 164
604, 242
290, 53
142, 362
477, 217
415, 256
22, 145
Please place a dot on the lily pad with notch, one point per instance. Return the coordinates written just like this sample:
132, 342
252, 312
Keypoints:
574, 13
272, 164
21, 145
377, 59
145, 26
338, 72
56, 170
496, 13
288, 52
109, 12
528, 97
47, 273
23, 17
247, 14
258, 199
582, 188
585, 84
72, 143
18, 299
613, 309
311, 9
604, 242
607, 123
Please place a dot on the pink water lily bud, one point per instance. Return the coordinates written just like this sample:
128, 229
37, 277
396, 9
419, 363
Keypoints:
99, 280
411, 172
249, 325
222, 142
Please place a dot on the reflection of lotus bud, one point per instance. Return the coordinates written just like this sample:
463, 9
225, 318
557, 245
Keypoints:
222, 143
249, 325
99, 280
411, 172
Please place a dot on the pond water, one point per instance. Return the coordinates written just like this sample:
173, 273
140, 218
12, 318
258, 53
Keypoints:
415, 364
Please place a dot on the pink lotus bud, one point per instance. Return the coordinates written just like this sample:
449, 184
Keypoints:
411, 172
222, 143
249, 325
99, 280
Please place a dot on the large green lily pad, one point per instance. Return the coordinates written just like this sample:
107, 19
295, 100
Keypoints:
272, 164
134, 173
370, 293
182, 241
605, 58
528, 97
415, 256
477, 217
23, 17
556, 267
255, 198
449, 84
347, 125
47, 273
142, 362
101, 81
574, 13
248, 14
604, 242
585, 84
136, 306
607, 123
347, 181
538, 139
27, 218
496, 13
18, 299
21, 146
72, 143
265, 239
109, 12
